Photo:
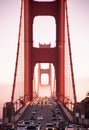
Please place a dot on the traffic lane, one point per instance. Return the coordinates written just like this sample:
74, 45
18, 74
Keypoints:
41, 109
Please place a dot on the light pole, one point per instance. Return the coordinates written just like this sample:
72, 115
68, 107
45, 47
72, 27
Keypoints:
82, 118
77, 117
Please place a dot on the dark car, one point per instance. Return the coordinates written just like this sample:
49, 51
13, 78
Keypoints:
10, 126
31, 127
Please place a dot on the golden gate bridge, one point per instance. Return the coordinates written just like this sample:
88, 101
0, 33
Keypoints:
34, 62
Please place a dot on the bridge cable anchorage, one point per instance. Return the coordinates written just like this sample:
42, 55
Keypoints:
17, 54
70, 54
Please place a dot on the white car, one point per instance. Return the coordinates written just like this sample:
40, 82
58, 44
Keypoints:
21, 123
40, 117
70, 127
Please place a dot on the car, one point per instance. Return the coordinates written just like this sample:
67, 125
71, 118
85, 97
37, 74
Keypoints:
34, 113
50, 126
78, 127
60, 118
70, 127
10, 126
54, 120
27, 123
40, 117
58, 126
39, 126
32, 117
21, 123
31, 127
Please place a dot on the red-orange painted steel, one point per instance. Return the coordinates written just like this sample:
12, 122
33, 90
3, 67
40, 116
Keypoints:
27, 50
32, 55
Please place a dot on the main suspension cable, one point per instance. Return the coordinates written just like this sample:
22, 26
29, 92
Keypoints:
17, 54
70, 54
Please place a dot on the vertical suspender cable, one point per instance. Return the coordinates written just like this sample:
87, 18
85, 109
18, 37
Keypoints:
70, 54
17, 54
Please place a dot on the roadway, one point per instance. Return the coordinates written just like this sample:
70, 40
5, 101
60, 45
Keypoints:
48, 110
41, 112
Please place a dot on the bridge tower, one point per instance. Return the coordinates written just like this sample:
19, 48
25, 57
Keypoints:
47, 71
35, 55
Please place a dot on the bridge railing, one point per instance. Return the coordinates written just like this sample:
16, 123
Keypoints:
12, 111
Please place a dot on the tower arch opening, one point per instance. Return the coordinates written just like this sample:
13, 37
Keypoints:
44, 31
44, 80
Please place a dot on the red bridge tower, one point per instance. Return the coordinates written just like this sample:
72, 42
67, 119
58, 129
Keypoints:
35, 55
